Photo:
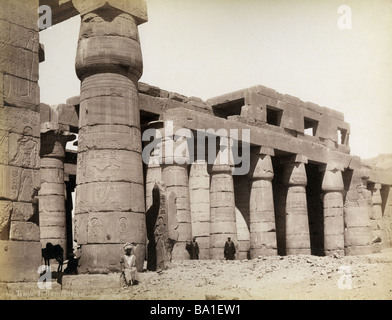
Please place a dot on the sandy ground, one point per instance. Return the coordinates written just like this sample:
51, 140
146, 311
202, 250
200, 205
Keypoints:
280, 278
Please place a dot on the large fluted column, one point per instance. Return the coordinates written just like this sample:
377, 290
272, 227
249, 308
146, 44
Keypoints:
333, 188
297, 222
52, 214
222, 202
262, 216
110, 205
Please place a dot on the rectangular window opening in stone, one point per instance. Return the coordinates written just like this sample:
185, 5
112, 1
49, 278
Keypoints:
231, 108
274, 116
342, 135
310, 126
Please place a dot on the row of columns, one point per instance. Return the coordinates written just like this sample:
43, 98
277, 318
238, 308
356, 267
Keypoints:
206, 204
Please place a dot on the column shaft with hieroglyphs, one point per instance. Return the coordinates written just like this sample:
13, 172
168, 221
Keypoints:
110, 203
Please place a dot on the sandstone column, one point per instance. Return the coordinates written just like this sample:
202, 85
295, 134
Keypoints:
380, 233
110, 203
52, 214
175, 177
199, 187
333, 188
262, 215
357, 208
20, 248
297, 222
222, 202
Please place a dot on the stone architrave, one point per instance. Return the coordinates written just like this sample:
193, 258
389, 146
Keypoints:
52, 213
333, 187
297, 222
110, 202
262, 215
222, 201
20, 248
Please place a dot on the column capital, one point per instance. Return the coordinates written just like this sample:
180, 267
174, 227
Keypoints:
53, 143
136, 8
261, 167
331, 167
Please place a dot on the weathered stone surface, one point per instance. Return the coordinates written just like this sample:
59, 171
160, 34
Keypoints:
297, 224
176, 181
243, 236
262, 214
19, 260
222, 208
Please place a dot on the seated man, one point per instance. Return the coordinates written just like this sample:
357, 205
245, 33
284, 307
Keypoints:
128, 265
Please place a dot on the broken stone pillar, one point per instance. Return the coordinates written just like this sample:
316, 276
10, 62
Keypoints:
175, 177
297, 222
110, 202
222, 202
262, 214
333, 188
357, 206
52, 213
199, 189
20, 248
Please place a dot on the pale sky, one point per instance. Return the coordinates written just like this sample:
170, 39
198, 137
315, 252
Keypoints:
206, 48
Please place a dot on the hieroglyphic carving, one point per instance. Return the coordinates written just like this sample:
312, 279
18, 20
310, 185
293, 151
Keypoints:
122, 229
5, 218
94, 229
27, 151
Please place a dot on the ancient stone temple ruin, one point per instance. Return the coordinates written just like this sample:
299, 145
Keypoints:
296, 190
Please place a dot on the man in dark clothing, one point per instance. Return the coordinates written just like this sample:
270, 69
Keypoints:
229, 251
193, 249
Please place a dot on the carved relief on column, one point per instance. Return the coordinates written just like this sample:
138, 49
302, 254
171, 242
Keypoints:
297, 222
222, 202
333, 188
262, 215
110, 186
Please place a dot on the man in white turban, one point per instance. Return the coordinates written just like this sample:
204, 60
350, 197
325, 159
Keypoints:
128, 265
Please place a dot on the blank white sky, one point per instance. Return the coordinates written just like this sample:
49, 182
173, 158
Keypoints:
206, 48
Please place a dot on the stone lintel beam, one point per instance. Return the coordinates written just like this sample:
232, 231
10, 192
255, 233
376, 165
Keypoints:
297, 158
259, 136
136, 8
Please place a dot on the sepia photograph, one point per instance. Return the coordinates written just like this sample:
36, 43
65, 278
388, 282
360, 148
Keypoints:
213, 151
